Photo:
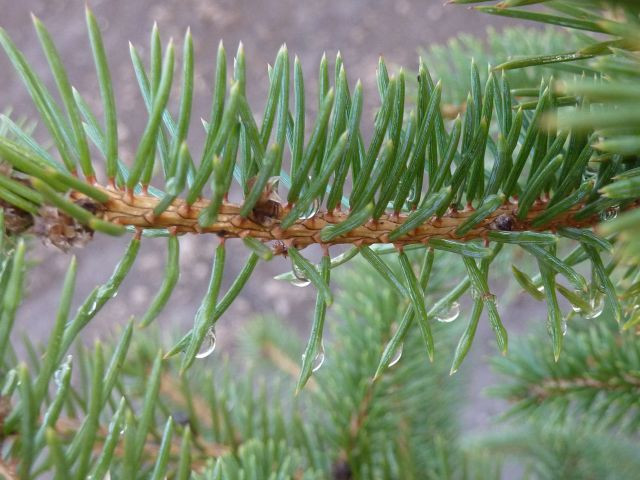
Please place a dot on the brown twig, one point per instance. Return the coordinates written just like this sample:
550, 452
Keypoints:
124, 209
552, 387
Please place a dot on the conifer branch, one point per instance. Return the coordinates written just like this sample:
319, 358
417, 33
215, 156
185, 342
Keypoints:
422, 181
538, 166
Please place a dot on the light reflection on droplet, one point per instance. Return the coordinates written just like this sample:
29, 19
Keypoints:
312, 210
91, 311
610, 213
397, 355
318, 360
208, 344
59, 373
300, 280
597, 306
448, 313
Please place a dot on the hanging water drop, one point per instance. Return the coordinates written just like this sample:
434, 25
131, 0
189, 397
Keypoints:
208, 344
563, 326
576, 308
610, 213
448, 313
300, 280
397, 355
318, 360
597, 306
311, 211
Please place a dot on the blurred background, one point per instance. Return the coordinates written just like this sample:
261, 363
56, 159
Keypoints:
362, 30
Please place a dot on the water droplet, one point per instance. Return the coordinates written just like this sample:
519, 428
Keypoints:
397, 355
563, 326
123, 430
318, 360
208, 344
57, 377
91, 311
577, 308
597, 306
59, 373
610, 213
300, 280
311, 211
448, 313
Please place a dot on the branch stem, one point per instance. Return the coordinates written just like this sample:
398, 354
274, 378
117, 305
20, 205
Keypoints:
127, 210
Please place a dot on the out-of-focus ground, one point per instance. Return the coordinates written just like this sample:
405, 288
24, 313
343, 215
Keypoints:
361, 29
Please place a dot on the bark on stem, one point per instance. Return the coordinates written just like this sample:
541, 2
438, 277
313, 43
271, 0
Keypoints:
123, 209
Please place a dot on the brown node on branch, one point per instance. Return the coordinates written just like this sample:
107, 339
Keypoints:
52, 225
504, 222
62, 231
269, 205
16, 221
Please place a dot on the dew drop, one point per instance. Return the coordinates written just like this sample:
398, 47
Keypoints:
448, 313
59, 373
208, 344
57, 377
91, 311
311, 211
597, 306
397, 355
610, 213
318, 360
563, 326
577, 308
300, 280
